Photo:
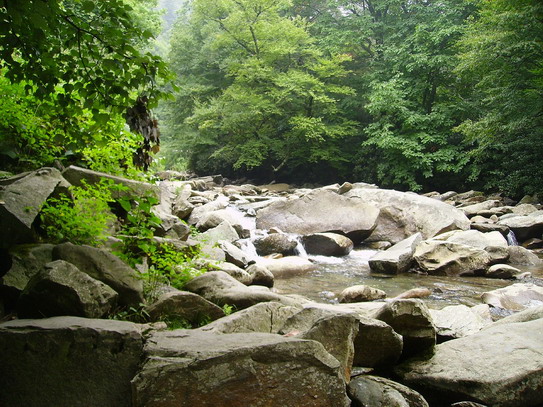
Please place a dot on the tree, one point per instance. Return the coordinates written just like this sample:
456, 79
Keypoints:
82, 56
502, 66
256, 92
403, 58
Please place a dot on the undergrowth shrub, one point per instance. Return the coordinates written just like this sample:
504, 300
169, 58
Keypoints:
82, 218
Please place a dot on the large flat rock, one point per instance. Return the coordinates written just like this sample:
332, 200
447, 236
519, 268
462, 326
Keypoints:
320, 211
404, 214
195, 368
68, 362
499, 366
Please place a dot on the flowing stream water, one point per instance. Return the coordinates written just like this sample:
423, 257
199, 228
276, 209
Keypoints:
334, 274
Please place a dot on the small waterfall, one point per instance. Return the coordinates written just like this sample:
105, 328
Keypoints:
300, 249
511, 239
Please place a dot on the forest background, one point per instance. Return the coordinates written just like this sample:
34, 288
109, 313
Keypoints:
418, 94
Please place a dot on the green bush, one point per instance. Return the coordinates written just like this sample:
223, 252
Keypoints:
82, 218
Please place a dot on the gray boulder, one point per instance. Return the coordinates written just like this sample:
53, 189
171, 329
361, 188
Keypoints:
195, 368
287, 266
529, 314
21, 199
411, 319
275, 243
503, 271
499, 366
220, 288
184, 305
68, 361
377, 391
398, 258
26, 261
234, 255
361, 293
457, 321
516, 297
492, 242
237, 272
61, 289
266, 317
376, 344
404, 214
327, 244
474, 209
77, 175
260, 275
525, 227
320, 211
519, 256
105, 267
200, 212
451, 259
211, 239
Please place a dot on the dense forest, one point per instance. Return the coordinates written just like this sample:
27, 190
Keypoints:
419, 94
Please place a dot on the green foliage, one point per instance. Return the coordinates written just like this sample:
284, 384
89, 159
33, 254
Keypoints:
500, 62
168, 265
255, 91
82, 218
138, 314
76, 67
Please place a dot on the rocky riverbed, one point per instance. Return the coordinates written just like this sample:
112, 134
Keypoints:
345, 295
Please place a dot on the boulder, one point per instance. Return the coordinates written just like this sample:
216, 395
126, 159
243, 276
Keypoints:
404, 214
260, 275
516, 297
503, 271
275, 243
524, 209
519, 256
320, 211
78, 176
211, 239
220, 288
398, 258
21, 199
417, 292
181, 207
451, 259
200, 212
185, 306
337, 333
238, 273
61, 289
239, 222
529, 314
525, 227
266, 317
492, 242
411, 319
26, 261
327, 244
105, 267
287, 266
498, 366
457, 321
376, 344
68, 361
377, 391
195, 368
361, 293
234, 255
474, 209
